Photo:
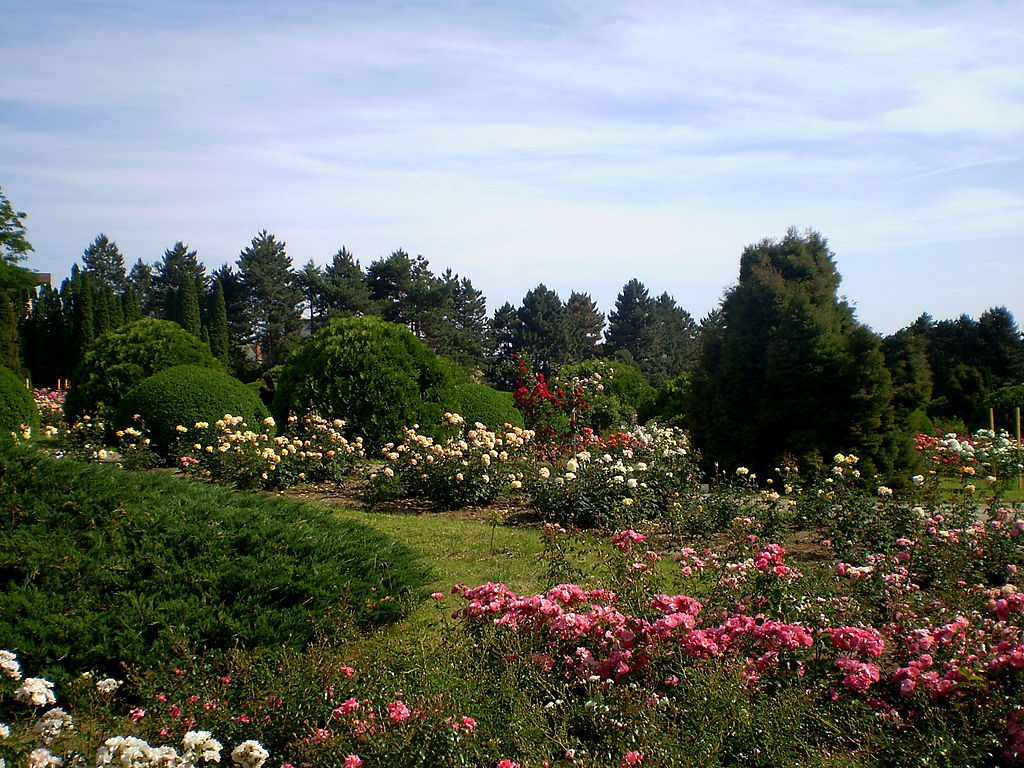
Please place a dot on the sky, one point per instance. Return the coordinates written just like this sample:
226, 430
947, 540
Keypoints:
575, 143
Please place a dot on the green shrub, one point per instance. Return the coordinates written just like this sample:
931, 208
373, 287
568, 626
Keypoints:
479, 402
101, 566
186, 394
17, 406
119, 359
613, 391
376, 376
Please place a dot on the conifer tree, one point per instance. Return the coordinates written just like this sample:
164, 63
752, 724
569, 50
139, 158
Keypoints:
104, 262
790, 372
218, 324
9, 357
271, 298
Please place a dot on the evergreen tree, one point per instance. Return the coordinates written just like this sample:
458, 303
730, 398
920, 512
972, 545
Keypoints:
104, 262
140, 279
9, 357
234, 305
674, 342
345, 291
460, 327
504, 333
100, 309
81, 307
630, 324
130, 308
218, 323
271, 297
188, 308
790, 371
541, 330
584, 324
310, 280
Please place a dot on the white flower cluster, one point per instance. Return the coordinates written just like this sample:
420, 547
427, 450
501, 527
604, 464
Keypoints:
200, 745
250, 754
9, 665
108, 685
36, 691
51, 725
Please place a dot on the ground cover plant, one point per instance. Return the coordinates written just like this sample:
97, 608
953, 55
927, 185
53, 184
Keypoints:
103, 566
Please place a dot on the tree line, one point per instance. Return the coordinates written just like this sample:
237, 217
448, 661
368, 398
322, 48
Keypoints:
780, 368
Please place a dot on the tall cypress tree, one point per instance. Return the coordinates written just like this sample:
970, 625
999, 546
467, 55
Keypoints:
218, 323
9, 356
188, 308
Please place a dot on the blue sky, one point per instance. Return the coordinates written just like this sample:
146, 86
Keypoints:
578, 143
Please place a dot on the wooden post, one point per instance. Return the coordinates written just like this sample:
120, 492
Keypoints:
992, 420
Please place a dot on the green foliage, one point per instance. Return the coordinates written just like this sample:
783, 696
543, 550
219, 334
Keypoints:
186, 394
614, 392
119, 360
790, 370
16, 404
270, 295
13, 244
104, 262
479, 402
101, 566
9, 356
1005, 401
374, 375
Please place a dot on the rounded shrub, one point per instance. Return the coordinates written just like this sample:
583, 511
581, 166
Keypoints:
479, 402
184, 395
119, 359
16, 404
375, 375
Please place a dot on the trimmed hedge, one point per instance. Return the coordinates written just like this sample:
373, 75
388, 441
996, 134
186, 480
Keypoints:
120, 359
16, 404
479, 402
375, 375
184, 395
102, 566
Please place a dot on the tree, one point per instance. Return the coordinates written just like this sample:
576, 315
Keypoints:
271, 297
218, 323
188, 308
629, 325
790, 372
459, 330
140, 279
14, 246
9, 357
345, 292
104, 262
541, 330
673, 346
584, 323
310, 282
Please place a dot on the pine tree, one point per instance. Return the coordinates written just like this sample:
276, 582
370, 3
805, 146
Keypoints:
584, 324
271, 298
104, 262
673, 347
541, 332
629, 325
345, 291
310, 281
140, 279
